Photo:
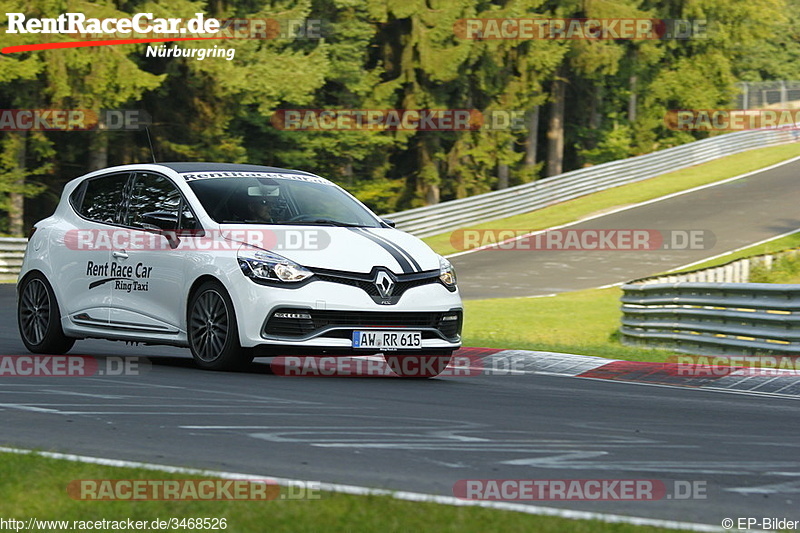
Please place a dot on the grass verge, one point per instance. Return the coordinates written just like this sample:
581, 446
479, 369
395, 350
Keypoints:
783, 270
594, 314
538, 324
681, 180
763, 248
35, 487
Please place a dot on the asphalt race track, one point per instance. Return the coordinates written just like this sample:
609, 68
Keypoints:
420, 436
738, 213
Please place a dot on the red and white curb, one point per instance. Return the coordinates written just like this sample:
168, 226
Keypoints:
497, 362
778, 382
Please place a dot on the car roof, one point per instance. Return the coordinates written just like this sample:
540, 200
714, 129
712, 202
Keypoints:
228, 167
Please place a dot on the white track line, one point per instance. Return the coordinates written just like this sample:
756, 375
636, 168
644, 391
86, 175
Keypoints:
690, 265
366, 491
632, 206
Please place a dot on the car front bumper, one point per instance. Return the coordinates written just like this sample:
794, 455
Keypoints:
337, 310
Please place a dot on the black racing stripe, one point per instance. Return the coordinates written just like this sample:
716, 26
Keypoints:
397, 247
404, 264
400, 250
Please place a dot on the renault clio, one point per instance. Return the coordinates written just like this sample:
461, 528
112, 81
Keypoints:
234, 262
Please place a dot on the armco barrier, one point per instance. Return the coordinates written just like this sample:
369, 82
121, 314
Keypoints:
446, 216
713, 318
11, 252
714, 311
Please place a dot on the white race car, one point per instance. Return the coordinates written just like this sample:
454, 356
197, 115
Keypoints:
235, 262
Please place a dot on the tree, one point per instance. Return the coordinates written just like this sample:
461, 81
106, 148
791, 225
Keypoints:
91, 79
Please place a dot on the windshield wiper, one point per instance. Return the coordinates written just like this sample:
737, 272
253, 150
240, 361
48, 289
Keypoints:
325, 222
247, 221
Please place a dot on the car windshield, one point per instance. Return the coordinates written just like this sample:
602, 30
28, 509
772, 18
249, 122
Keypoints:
267, 200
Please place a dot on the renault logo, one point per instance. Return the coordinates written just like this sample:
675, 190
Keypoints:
384, 283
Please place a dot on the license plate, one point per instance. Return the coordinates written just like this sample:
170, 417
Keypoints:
387, 340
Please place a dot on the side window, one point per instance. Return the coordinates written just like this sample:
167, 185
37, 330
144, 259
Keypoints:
155, 203
99, 199
188, 221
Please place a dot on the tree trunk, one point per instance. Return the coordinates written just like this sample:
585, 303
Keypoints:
632, 82
532, 140
347, 172
503, 168
429, 169
432, 194
16, 208
595, 117
502, 176
555, 130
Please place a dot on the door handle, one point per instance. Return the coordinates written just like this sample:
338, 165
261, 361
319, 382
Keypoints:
121, 254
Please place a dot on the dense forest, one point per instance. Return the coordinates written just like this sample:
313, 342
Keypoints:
584, 101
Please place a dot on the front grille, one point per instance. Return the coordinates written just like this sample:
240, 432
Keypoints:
366, 282
302, 327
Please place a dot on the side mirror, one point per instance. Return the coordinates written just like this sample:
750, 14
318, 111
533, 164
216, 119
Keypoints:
389, 223
172, 238
163, 224
163, 221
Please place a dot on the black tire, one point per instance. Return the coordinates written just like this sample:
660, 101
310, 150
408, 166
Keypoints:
212, 330
417, 366
39, 318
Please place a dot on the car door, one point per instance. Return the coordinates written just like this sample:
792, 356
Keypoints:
150, 295
82, 268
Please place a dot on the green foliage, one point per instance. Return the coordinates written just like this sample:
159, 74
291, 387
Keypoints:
785, 269
385, 54
615, 145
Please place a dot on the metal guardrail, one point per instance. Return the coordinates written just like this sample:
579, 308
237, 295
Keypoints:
446, 216
11, 252
713, 318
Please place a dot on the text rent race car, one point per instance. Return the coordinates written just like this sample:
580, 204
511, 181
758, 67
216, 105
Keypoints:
234, 261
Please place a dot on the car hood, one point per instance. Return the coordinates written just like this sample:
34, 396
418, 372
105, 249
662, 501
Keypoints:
344, 249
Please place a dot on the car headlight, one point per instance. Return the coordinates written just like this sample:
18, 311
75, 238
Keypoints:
447, 274
261, 265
